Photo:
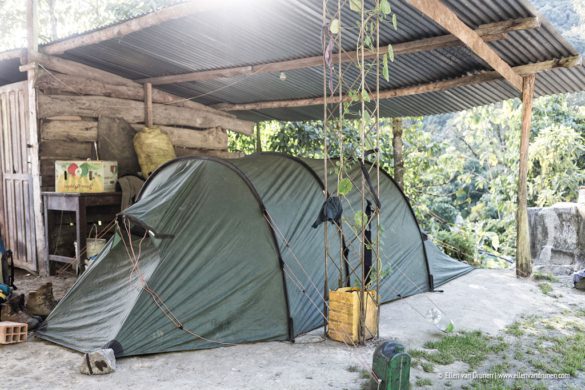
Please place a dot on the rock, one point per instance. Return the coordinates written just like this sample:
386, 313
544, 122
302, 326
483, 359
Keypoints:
579, 280
41, 301
100, 362
557, 238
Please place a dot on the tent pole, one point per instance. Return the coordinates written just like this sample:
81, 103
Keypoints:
523, 255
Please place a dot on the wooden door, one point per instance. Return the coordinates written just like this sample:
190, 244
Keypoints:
16, 190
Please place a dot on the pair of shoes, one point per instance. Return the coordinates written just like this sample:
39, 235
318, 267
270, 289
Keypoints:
41, 301
11, 311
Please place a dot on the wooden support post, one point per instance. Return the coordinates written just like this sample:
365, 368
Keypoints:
437, 86
258, 138
148, 119
397, 146
523, 255
32, 24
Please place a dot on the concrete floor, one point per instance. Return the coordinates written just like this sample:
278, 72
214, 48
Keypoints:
487, 300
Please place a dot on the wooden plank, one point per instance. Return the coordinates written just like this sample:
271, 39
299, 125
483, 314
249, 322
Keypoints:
51, 83
182, 152
38, 262
59, 150
482, 77
47, 167
75, 131
133, 112
32, 26
214, 138
488, 32
122, 29
148, 119
523, 255
87, 80
442, 15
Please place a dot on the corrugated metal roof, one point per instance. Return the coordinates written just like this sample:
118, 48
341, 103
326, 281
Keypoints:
288, 29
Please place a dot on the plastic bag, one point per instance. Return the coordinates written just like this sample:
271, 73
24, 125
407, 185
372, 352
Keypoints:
153, 148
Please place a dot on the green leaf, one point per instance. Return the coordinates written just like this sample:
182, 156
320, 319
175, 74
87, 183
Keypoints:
385, 72
334, 26
450, 328
360, 218
394, 22
367, 116
391, 53
368, 41
355, 5
385, 7
365, 95
344, 187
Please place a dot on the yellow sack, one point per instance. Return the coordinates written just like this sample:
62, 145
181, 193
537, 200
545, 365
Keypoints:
153, 148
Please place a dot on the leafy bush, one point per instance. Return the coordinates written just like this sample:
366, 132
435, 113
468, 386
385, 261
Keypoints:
458, 245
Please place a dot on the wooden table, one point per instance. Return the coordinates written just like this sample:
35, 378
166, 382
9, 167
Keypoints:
76, 202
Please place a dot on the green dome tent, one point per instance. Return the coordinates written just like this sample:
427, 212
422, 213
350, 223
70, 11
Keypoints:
223, 253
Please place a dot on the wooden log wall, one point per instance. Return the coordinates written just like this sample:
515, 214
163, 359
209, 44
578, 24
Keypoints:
69, 109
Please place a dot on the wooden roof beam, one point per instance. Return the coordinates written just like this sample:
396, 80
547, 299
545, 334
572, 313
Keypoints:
442, 15
478, 78
487, 32
133, 25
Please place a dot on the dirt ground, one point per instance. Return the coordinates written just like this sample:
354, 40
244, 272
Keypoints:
490, 301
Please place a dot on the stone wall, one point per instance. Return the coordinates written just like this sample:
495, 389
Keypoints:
557, 238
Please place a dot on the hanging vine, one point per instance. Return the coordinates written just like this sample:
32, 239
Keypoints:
354, 62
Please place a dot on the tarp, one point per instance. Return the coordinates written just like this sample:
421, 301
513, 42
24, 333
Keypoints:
223, 252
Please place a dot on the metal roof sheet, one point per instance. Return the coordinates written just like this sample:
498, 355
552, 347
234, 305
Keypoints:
288, 29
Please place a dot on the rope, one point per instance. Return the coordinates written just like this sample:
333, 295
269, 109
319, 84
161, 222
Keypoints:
159, 302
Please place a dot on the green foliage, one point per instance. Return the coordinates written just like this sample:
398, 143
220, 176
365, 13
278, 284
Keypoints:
344, 186
238, 142
459, 245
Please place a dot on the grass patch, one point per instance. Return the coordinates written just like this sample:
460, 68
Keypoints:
469, 347
545, 287
492, 382
548, 277
418, 353
421, 382
515, 329
428, 367
572, 354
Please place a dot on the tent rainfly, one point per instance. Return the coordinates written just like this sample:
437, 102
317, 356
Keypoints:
223, 252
